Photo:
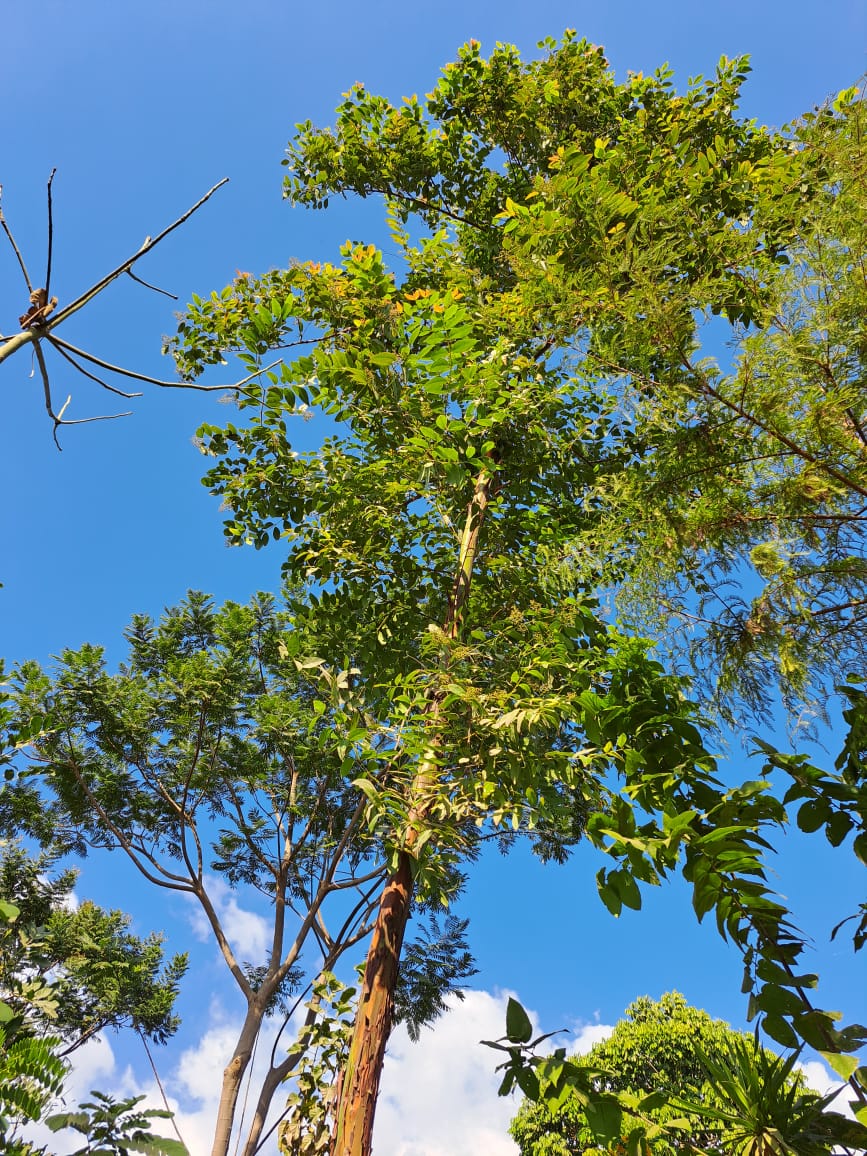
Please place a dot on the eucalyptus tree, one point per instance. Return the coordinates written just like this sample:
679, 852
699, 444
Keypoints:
616, 221
459, 465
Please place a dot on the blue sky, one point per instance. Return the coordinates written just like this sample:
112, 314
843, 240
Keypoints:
142, 106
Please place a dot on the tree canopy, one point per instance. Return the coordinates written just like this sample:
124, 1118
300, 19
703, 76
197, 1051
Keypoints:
534, 374
675, 1080
520, 417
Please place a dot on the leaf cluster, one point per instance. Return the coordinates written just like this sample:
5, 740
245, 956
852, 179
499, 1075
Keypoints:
100, 975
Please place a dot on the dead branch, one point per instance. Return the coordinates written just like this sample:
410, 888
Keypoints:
148, 244
50, 237
58, 418
15, 248
86, 372
147, 285
40, 321
61, 345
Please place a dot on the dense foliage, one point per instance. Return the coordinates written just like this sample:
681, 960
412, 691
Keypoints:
515, 419
671, 1079
101, 975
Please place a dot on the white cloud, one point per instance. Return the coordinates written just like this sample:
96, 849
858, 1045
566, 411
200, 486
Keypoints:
586, 1035
70, 902
93, 1067
248, 933
822, 1081
439, 1096
198, 1078
193, 1087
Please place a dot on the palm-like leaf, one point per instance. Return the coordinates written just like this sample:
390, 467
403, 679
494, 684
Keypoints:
768, 1110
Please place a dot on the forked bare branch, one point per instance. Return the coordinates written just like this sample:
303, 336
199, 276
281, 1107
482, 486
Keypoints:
148, 244
38, 322
86, 372
58, 418
61, 345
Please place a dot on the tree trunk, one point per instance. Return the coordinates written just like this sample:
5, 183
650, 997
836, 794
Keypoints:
353, 1126
232, 1076
358, 1088
274, 1077
271, 1083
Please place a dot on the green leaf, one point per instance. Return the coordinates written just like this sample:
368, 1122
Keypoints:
813, 814
604, 1117
778, 1029
626, 887
844, 1066
519, 1029
528, 1082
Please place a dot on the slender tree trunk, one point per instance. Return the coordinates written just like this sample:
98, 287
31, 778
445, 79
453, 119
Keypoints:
232, 1076
270, 1084
274, 1077
359, 1083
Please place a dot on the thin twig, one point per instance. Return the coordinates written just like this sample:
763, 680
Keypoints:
87, 373
50, 239
8, 233
155, 380
96, 417
148, 244
148, 285
160, 1086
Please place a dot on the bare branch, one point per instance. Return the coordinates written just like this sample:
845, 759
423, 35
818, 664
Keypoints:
149, 243
17, 251
58, 418
50, 237
237, 972
759, 422
164, 878
13, 344
183, 809
87, 373
155, 380
148, 285
87, 420
46, 384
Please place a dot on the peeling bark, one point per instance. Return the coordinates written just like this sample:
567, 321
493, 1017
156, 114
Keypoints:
353, 1129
